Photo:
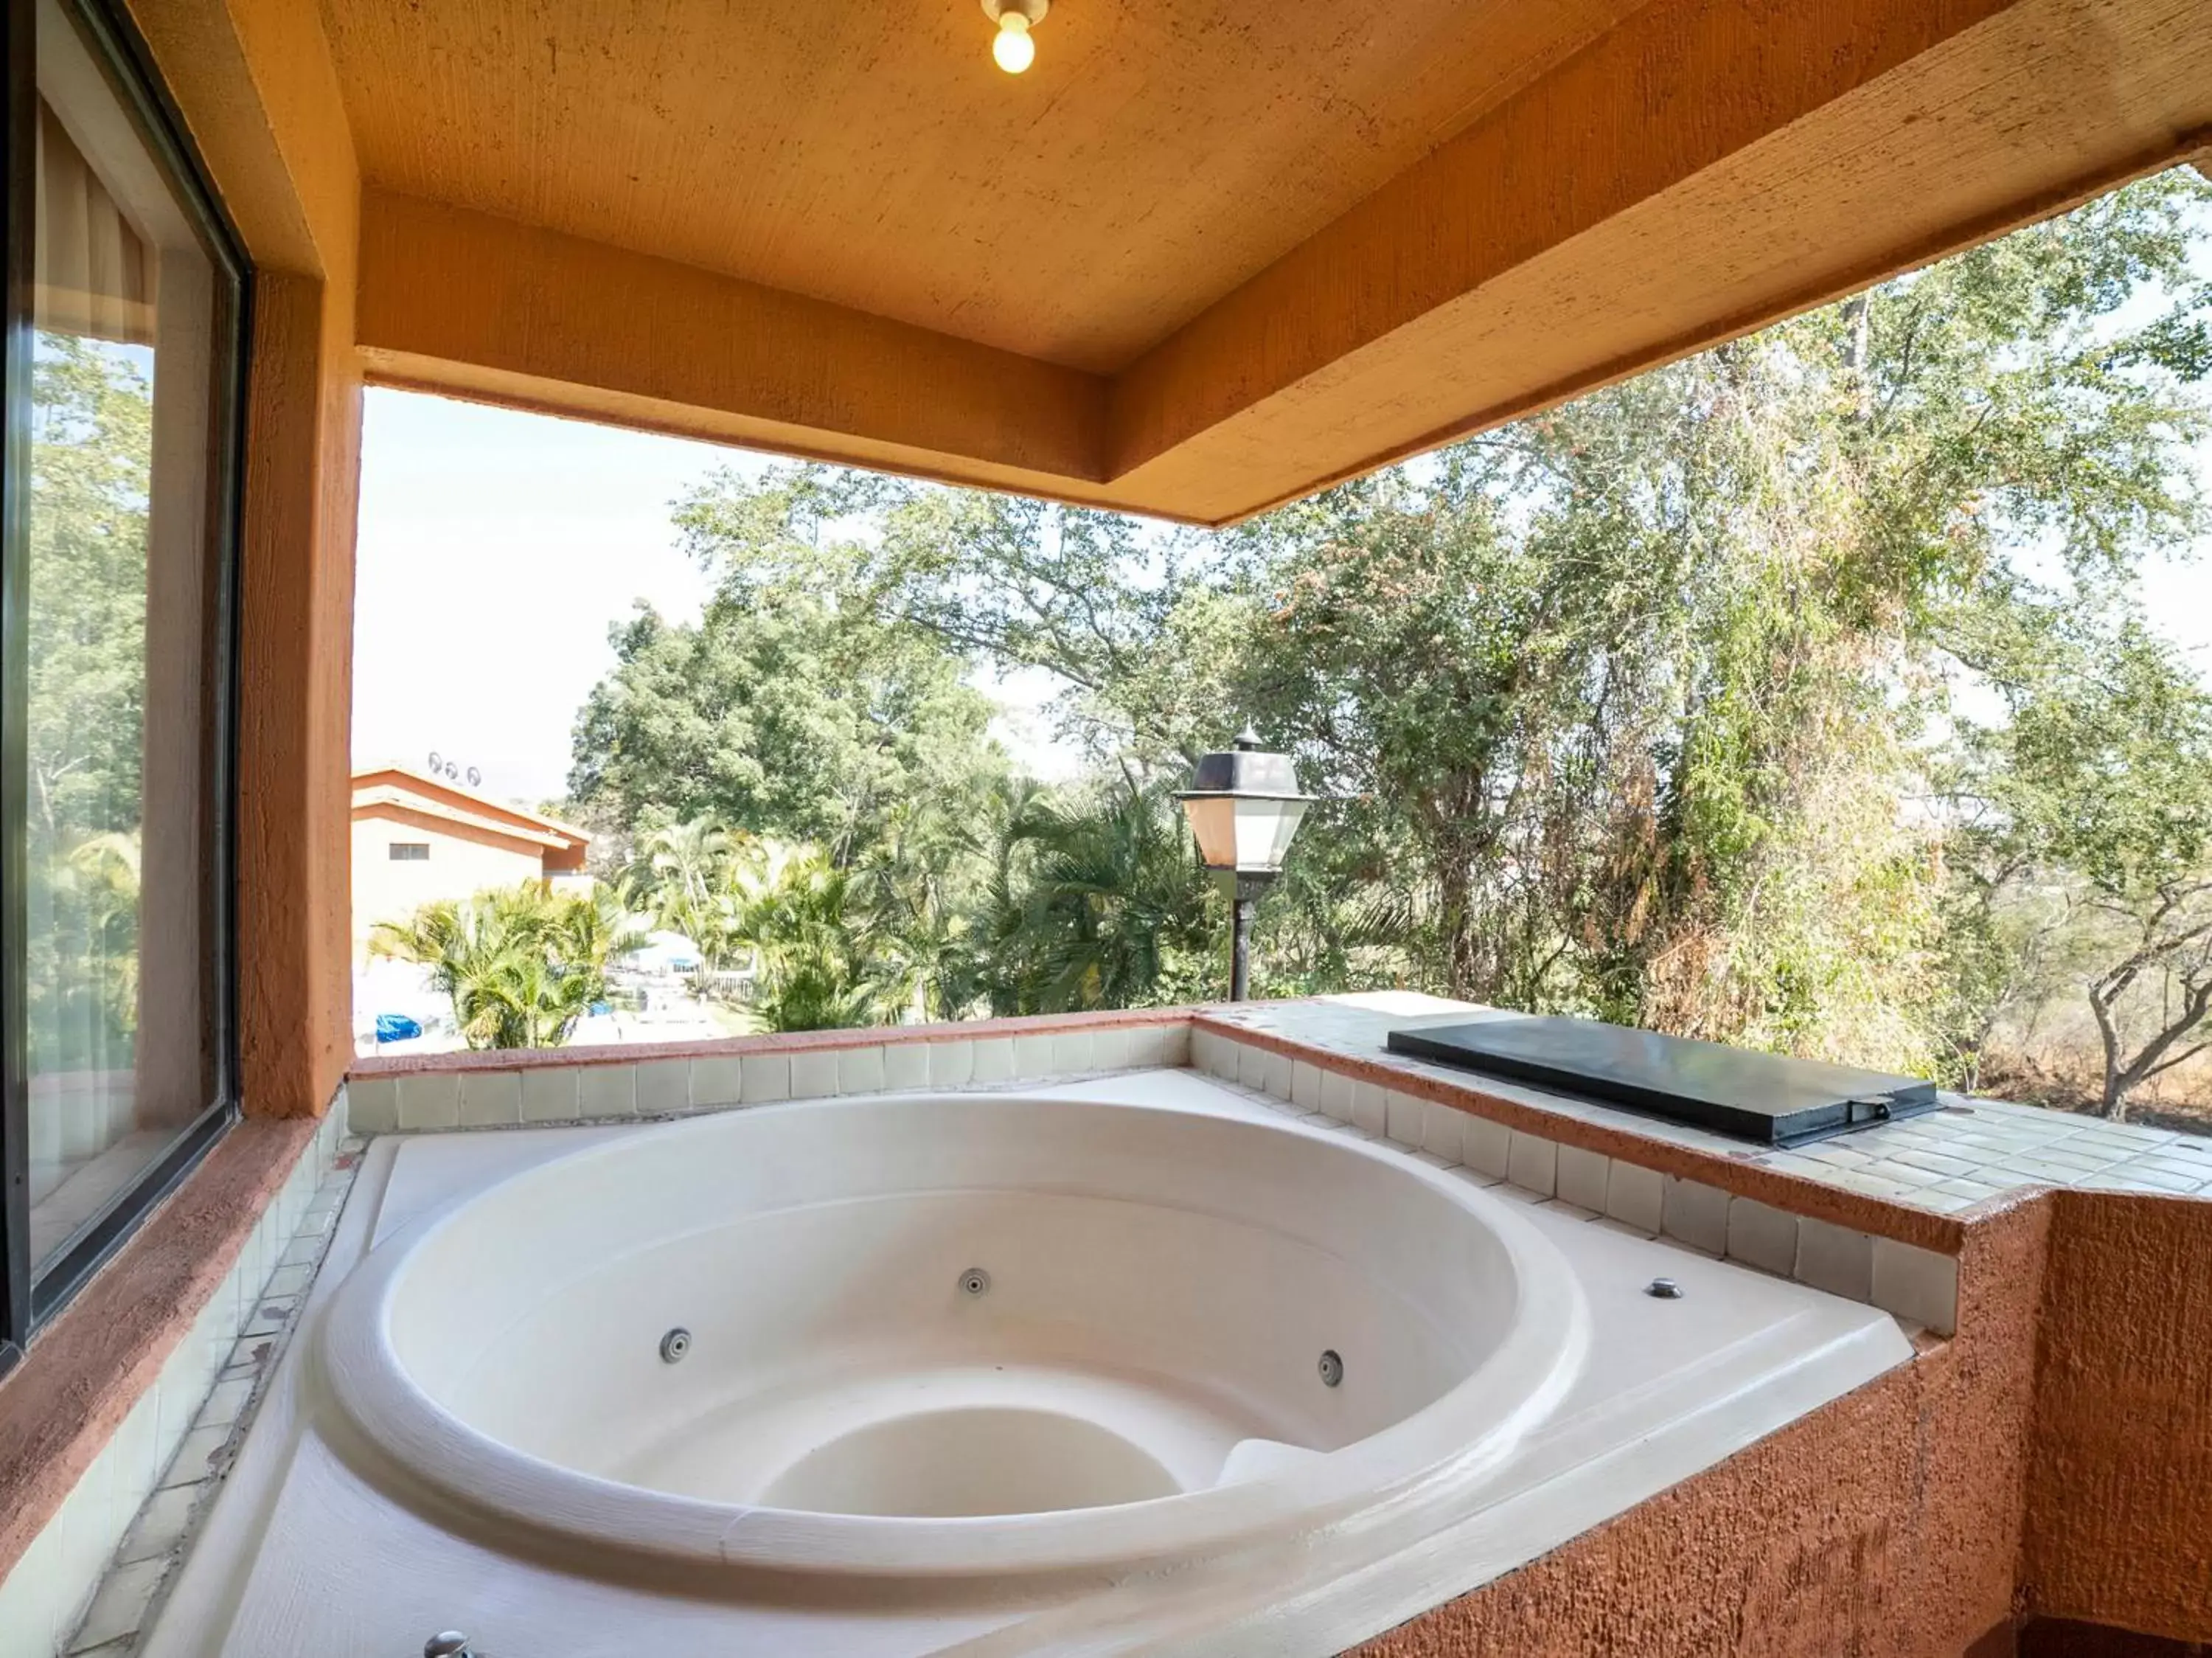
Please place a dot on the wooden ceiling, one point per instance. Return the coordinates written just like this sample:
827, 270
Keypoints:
1204, 256
869, 152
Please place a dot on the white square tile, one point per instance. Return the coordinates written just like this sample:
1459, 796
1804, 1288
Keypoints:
1032, 1056
1336, 1096
490, 1098
1305, 1085
1583, 1177
1370, 1108
195, 1456
1442, 1128
1277, 1074
1533, 1163
860, 1071
906, 1064
606, 1091
31, 1599
160, 1525
1251, 1067
664, 1086
1405, 1120
429, 1099
137, 1449
226, 1402
763, 1078
121, 1603
1072, 1051
1762, 1236
373, 1104
951, 1064
813, 1073
994, 1059
1214, 1054
1696, 1214
549, 1095
716, 1080
1916, 1284
1835, 1259
1175, 1045
1487, 1145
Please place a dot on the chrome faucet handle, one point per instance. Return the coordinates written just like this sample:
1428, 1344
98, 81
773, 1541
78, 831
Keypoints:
446, 1643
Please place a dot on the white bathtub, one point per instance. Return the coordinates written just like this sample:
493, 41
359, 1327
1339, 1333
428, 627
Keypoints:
1125, 1443
963, 1336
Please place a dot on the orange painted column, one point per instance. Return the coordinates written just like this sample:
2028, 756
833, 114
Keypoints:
302, 466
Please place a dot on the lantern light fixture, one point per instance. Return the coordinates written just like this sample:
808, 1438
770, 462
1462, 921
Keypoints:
1011, 48
1245, 806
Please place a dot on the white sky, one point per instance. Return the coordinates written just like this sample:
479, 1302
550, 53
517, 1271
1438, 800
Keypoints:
497, 548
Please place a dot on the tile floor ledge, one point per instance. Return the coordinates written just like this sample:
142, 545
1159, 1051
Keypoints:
1925, 1174
507, 1089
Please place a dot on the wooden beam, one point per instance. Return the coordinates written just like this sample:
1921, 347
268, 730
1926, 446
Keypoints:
459, 302
2046, 103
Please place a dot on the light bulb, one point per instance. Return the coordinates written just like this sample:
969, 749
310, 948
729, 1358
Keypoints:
1013, 49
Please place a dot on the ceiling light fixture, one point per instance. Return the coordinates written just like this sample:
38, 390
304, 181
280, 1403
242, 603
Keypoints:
1012, 49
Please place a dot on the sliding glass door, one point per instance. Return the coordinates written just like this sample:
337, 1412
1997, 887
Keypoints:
126, 299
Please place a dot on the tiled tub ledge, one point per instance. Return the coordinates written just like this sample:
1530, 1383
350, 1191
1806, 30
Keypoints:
125, 1412
418, 1093
1939, 1165
1878, 1216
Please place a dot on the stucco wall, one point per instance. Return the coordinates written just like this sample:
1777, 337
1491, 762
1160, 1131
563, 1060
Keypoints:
1884, 1526
2119, 1517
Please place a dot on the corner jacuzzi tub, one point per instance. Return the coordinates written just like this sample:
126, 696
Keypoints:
979, 1338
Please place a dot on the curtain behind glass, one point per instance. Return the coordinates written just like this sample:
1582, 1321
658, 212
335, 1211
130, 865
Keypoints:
122, 694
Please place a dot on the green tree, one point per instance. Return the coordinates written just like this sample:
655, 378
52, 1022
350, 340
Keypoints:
1618, 705
813, 965
520, 965
2095, 792
1098, 902
790, 712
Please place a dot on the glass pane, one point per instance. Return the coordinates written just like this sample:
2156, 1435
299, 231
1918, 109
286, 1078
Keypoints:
120, 843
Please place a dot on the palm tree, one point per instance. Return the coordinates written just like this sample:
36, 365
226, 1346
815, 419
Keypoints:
1099, 903
520, 965
813, 969
683, 875
913, 891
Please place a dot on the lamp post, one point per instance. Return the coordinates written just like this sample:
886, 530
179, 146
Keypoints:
1243, 805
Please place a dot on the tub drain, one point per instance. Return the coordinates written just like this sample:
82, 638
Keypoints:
975, 1282
1332, 1368
675, 1344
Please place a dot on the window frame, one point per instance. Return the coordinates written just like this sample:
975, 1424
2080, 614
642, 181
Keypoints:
31, 1294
